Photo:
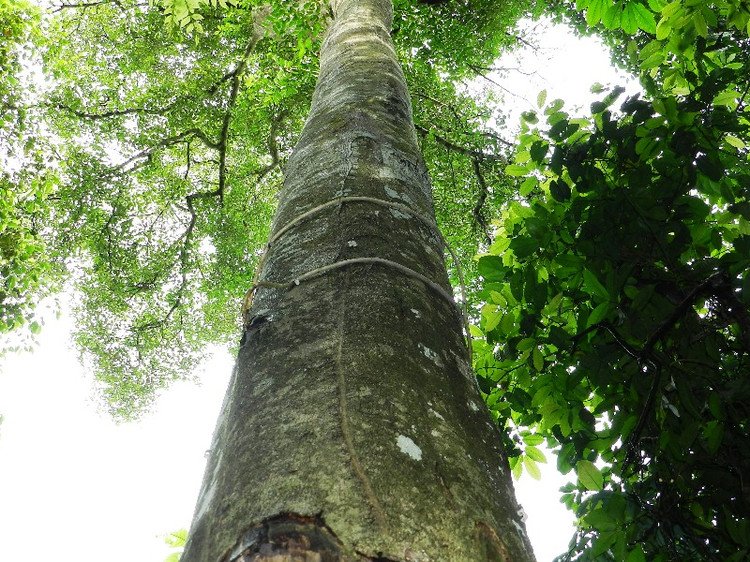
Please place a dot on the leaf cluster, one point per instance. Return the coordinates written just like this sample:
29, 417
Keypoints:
168, 124
617, 292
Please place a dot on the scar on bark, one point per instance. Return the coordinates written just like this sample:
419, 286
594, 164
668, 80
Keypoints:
291, 537
494, 548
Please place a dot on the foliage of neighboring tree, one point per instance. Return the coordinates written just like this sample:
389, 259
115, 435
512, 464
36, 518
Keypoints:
618, 289
25, 269
170, 124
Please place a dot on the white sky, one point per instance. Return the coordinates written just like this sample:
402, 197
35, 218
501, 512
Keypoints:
73, 481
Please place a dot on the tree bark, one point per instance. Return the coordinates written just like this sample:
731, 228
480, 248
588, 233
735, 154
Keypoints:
352, 427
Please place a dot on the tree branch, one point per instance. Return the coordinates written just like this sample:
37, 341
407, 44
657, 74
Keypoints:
115, 112
456, 148
483, 193
168, 141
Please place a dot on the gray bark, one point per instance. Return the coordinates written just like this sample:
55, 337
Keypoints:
352, 427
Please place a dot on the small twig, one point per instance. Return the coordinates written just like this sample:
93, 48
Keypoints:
521, 40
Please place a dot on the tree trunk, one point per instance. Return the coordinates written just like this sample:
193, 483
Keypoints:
352, 428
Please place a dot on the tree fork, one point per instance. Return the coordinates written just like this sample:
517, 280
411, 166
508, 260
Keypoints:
352, 428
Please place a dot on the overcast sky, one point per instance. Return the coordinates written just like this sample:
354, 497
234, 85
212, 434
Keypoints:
76, 486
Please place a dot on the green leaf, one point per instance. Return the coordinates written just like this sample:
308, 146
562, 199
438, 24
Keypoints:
492, 316
593, 286
713, 433
596, 10
663, 28
538, 151
491, 268
526, 344
734, 141
515, 170
612, 17
598, 314
589, 476
532, 468
533, 439
636, 555
538, 359
699, 22
640, 16
728, 98
516, 469
541, 98
527, 186
535, 454
560, 190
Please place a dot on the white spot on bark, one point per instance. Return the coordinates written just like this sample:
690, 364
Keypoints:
435, 433
409, 447
352, 243
416, 313
437, 414
398, 214
520, 529
392, 193
431, 355
473, 407
262, 386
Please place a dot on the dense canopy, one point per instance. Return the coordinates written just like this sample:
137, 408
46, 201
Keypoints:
606, 255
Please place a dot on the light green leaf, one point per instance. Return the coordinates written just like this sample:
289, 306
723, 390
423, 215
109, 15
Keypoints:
515, 170
612, 17
596, 10
699, 22
532, 468
643, 17
734, 141
671, 8
727, 98
541, 98
516, 469
535, 454
533, 439
528, 186
663, 29
492, 316
589, 476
